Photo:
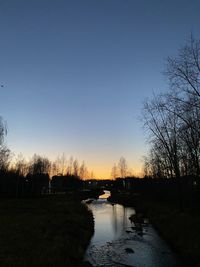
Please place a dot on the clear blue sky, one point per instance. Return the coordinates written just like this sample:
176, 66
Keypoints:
75, 73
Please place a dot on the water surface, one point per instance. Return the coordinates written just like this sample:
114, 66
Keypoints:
116, 242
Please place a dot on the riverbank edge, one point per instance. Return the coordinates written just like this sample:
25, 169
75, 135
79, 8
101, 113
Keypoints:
48, 231
179, 229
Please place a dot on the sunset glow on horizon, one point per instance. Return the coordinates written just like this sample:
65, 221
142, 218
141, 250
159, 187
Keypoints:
101, 169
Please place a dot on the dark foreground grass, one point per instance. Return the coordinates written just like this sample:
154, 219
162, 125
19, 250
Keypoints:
50, 231
180, 228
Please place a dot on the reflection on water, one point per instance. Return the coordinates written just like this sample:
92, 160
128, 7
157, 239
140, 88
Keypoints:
110, 221
115, 235
105, 195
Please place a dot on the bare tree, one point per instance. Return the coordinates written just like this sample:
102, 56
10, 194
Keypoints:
62, 163
173, 118
39, 165
184, 75
122, 165
75, 167
21, 165
183, 71
114, 172
54, 169
163, 128
82, 171
70, 166
4, 151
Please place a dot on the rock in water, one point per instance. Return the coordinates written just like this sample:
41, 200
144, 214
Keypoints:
129, 250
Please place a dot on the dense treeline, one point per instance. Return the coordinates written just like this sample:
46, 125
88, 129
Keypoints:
173, 119
19, 177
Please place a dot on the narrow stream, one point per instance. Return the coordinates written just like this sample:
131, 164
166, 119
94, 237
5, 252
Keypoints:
117, 242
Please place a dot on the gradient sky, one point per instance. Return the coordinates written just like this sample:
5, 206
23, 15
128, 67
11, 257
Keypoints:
75, 74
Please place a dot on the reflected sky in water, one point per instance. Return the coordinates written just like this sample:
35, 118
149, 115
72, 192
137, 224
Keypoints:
110, 220
114, 233
105, 195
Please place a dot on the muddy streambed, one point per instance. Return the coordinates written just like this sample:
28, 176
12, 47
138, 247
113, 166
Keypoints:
118, 242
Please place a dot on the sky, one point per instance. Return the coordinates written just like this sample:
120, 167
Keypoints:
76, 74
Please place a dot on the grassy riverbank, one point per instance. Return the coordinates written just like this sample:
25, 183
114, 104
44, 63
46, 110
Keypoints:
49, 231
181, 229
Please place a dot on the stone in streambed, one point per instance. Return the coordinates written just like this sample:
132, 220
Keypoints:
129, 250
128, 232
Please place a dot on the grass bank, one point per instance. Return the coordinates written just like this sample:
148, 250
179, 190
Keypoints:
49, 231
181, 229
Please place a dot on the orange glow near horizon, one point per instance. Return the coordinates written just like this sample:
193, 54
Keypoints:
100, 168
103, 171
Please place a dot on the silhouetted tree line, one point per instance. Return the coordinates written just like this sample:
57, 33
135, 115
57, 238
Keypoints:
172, 119
21, 178
25, 179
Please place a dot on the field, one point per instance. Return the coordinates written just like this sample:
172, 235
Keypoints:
49, 231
